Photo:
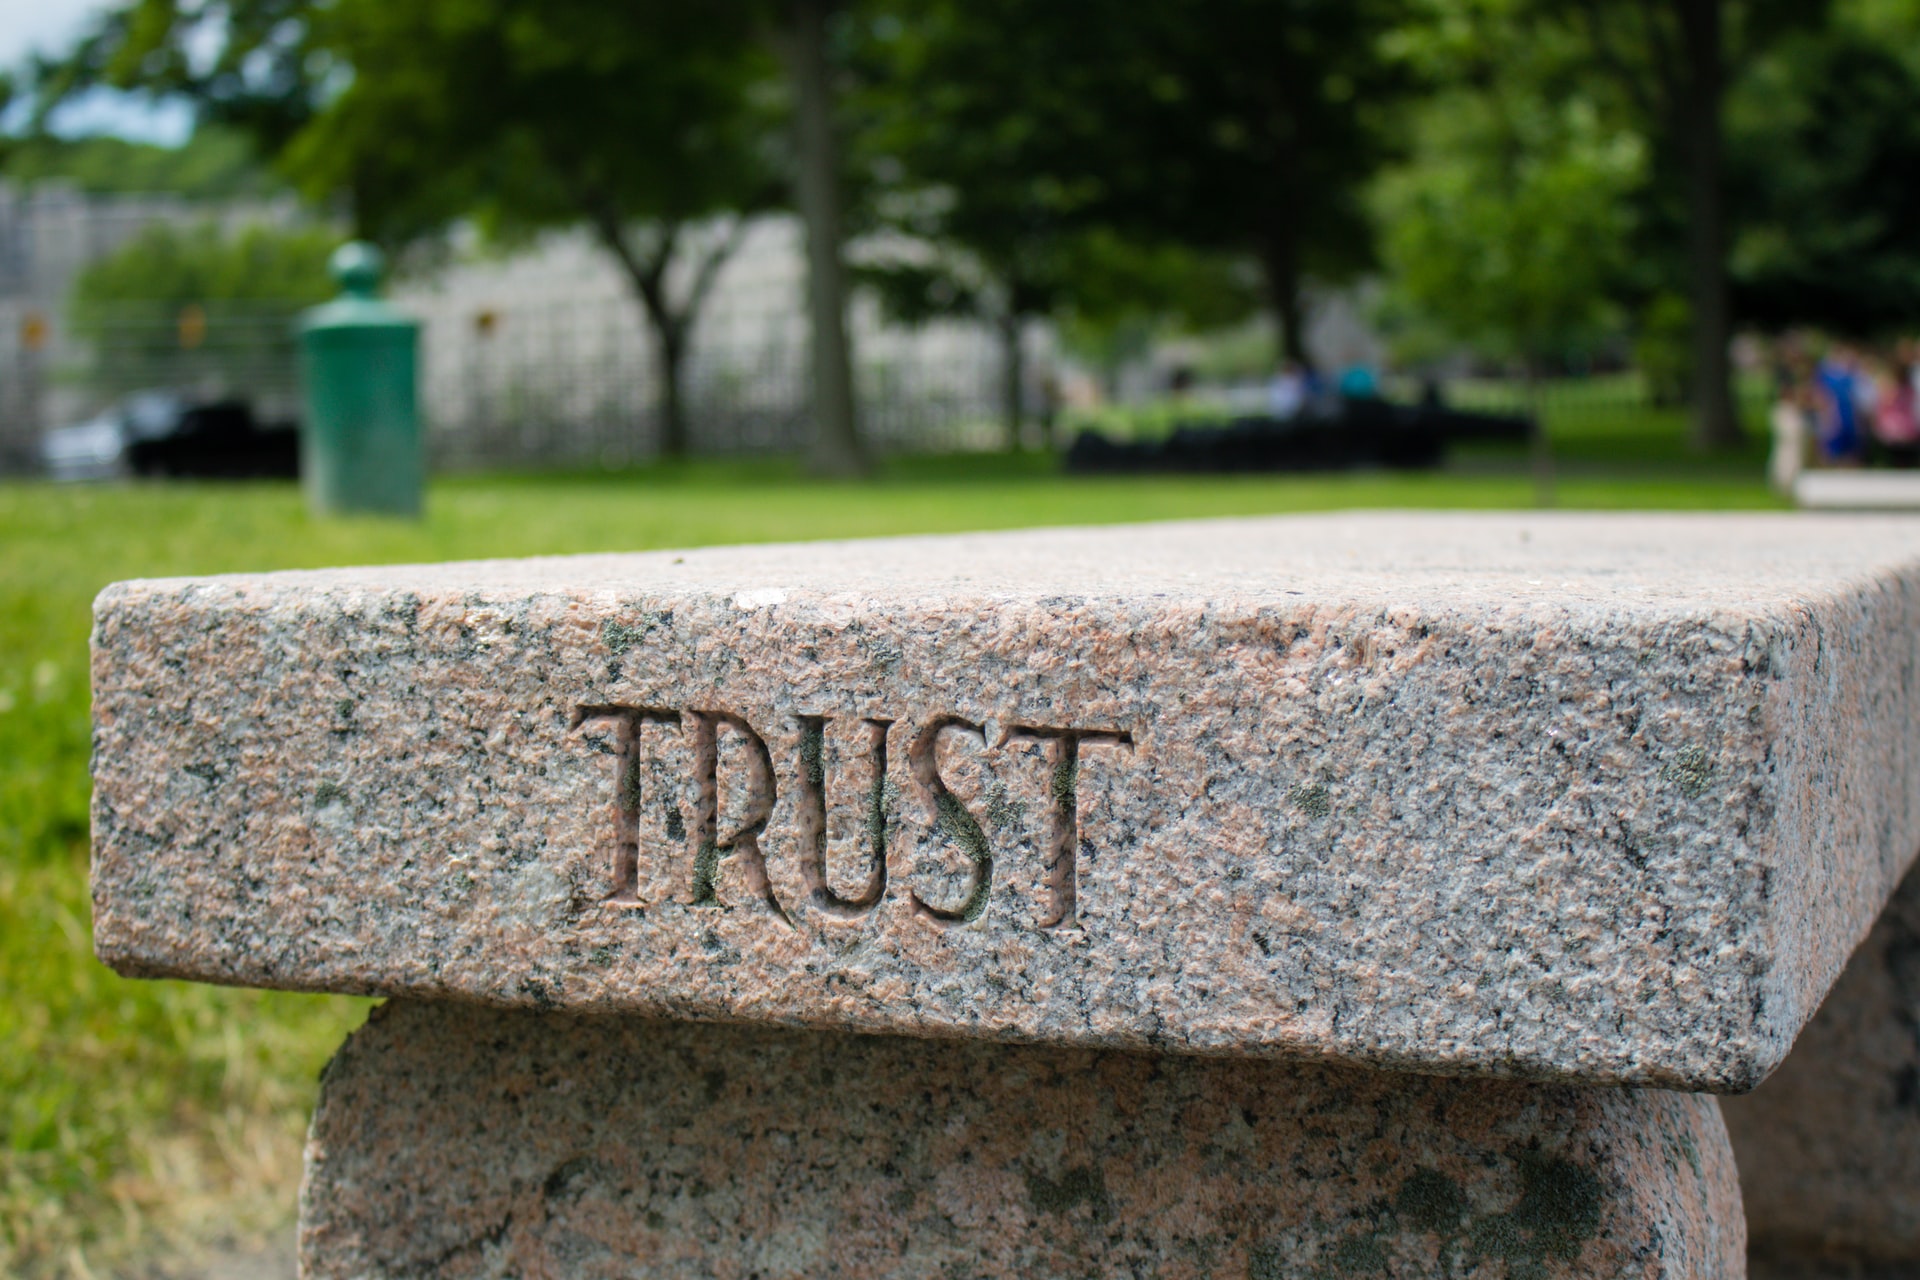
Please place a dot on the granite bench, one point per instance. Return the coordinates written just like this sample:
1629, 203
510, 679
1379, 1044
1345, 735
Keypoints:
1357, 895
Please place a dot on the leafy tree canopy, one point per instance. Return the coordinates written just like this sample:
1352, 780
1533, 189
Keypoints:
252, 64
1510, 224
175, 266
214, 164
1228, 126
200, 306
636, 119
1825, 146
542, 111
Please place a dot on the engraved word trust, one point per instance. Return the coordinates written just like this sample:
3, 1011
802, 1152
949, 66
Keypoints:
670, 765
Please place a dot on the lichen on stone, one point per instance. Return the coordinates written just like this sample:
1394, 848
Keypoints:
1311, 798
1691, 770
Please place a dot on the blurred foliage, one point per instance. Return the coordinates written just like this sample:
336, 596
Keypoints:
215, 163
1660, 71
1825, 153
1893, 21
1242, 127
996, 161
199, 303
174, 266
1660, 348
9, 94
541, 112
1119, 168
1548, 190
1127, 292
1509, 227
1110, 297
636, 121
249, 64
521, 111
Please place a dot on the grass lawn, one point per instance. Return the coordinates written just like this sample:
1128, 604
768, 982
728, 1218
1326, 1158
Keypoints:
141, 1119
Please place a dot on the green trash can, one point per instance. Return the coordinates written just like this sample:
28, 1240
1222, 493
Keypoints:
360, 446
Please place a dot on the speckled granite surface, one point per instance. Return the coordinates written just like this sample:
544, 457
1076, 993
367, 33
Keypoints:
1829, 1147
1560, 797
455, 1142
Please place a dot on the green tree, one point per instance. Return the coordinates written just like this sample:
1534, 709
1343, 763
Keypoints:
176, 266
803, 31
1510, 225
944, 174
9, 94
1824, 143
1671, 64
250, 64
1011, 243
198, 299
642, 122
1123, 294
1268, 121
1243, 127
215, 163
648, 123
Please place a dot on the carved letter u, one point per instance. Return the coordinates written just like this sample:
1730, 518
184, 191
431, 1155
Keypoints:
813, 817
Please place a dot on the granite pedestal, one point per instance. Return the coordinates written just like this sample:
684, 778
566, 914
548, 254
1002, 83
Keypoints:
1830, 1144
1371, 895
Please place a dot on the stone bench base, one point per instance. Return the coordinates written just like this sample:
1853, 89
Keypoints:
456, 1141
1829, 1146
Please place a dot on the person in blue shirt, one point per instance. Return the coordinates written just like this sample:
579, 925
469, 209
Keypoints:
1837, 381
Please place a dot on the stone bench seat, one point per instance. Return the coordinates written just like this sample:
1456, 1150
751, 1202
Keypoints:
1589, 801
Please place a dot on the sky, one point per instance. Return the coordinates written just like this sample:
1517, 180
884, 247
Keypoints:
48, 26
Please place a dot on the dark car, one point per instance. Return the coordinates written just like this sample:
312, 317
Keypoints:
1342, 432
166, 433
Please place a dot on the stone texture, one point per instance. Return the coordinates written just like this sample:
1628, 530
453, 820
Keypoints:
455, 1142
1829, 1147
1606, 799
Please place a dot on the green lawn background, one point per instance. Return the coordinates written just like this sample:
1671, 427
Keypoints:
144, 1120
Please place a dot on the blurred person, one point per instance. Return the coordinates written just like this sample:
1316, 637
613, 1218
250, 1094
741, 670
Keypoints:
1837, 386
1795, 410
1896, 413
1357, 382
1316, 385
1052, 395
1288, 390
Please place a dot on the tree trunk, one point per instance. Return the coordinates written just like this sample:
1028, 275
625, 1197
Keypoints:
1012, 374
670, 348
836, 439
648, 276
1715, 424
1282, 267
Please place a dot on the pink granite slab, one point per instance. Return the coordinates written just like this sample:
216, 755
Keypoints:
1597, 798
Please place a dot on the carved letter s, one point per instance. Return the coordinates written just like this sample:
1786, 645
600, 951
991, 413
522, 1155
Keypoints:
951, 819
